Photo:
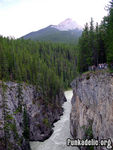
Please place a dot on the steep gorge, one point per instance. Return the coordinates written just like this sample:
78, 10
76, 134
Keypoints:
92, 107
25, 115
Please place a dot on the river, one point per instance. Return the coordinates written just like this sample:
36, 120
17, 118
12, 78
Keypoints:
57, 141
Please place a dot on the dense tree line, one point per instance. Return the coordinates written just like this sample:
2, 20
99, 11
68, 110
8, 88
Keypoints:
96, 43
52, 66
108, 23
49, 66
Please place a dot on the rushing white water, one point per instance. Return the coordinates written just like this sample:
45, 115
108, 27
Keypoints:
57, 141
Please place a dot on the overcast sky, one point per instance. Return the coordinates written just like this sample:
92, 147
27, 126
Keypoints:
19, 17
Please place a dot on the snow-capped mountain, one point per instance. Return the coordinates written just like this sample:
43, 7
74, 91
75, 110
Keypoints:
67, 25
67, 31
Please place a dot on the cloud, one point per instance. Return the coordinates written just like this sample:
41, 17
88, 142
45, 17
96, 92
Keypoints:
8, 3
19, 17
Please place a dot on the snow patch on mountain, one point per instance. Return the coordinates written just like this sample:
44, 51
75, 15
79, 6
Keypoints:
67, 25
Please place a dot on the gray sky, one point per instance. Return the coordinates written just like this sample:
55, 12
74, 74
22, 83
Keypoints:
19, 17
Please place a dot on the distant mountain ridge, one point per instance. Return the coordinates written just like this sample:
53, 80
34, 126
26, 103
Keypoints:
67, 31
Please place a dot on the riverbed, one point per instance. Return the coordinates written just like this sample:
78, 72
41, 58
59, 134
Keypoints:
57, 141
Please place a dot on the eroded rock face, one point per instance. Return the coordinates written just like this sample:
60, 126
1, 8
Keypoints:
25, 115
92, 107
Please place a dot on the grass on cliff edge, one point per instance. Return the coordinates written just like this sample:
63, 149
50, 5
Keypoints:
97, 71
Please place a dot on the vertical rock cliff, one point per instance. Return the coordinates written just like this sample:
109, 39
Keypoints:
25, 115
92, 107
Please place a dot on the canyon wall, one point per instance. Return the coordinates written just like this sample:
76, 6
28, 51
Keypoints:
92, 107
25, 115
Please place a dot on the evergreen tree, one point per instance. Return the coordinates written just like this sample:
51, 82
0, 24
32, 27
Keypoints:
109, 36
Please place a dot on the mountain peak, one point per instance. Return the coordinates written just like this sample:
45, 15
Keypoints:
54, 33
67, 24
68, 20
